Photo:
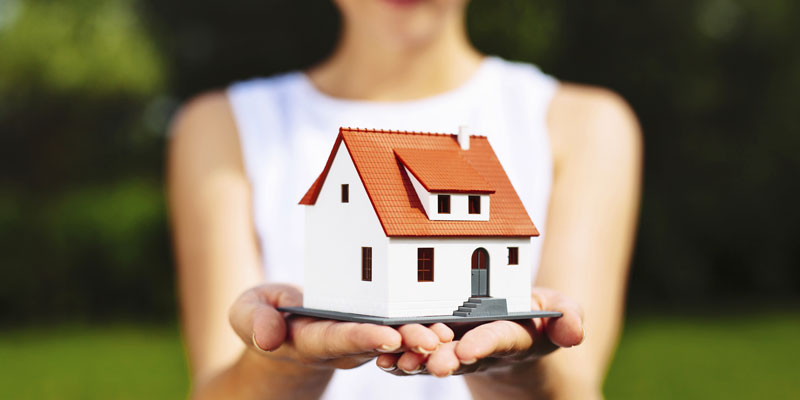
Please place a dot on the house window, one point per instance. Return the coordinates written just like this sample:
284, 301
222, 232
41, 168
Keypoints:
444, 204
513, 255
366, 263
474, 204
345, 193
425, 264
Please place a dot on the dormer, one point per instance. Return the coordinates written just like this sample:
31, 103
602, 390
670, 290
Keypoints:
448, 187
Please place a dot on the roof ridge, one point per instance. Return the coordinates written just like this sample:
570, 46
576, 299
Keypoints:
402, 132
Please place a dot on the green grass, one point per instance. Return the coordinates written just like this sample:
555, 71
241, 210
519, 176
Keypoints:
744, 357
118, 362
747, 357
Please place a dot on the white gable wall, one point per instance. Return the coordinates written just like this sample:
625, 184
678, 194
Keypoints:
334, 235
459, 208
423, 194
451, 284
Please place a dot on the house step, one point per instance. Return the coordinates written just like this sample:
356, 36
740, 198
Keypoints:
482, 306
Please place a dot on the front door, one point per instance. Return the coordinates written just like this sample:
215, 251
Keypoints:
480, 272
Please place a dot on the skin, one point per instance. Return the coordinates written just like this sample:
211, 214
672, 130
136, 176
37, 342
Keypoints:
239, 346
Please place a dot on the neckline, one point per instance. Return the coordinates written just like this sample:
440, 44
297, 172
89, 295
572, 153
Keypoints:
332, 101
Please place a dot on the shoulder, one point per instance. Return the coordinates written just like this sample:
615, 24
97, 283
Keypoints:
203, 117
203, 137
590, 122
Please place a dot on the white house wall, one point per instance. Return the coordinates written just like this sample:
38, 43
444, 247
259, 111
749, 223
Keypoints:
451, 284
334, 235
459, 206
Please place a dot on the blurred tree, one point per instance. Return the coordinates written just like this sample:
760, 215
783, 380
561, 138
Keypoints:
81, 209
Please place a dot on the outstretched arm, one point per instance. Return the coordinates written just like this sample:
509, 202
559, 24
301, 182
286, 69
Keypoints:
590, 229
216, 252
586, 250
218, 262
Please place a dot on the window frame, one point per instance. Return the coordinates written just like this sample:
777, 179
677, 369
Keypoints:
425, 257
345, 193
513, 255
366, 264
475, 201
443, 200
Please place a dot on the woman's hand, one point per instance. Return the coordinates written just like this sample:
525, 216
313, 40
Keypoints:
321, 343
499, 343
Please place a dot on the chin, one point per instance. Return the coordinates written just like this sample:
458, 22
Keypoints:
403, 3
405, 22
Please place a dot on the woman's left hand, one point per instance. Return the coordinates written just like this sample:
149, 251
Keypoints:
498, 343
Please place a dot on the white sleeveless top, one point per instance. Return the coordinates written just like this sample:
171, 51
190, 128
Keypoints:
287, 129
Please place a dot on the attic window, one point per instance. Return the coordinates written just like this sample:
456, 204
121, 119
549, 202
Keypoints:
513, 255
474, 204
345, 193
444, 204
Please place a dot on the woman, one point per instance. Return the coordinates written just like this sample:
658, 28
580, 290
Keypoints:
240, 160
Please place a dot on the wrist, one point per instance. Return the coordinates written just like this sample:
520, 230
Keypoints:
540, 379
256, 376
275, 364
563, 380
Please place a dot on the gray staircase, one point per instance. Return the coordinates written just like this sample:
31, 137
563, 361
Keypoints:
482, 306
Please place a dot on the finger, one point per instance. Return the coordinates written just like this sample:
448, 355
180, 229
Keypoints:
443, 331
564, 331
387, 362
326, 339
443, 362
254, 318
494, 338
419, 339
411, 363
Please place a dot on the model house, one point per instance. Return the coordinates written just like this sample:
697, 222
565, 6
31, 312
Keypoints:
409, 224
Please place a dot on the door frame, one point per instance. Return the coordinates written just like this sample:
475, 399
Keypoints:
488, 266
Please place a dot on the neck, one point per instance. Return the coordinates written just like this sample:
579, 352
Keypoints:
365, 68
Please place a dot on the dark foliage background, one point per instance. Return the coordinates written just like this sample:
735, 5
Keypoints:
87, 88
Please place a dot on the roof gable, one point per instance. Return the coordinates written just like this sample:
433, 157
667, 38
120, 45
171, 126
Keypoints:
380, 156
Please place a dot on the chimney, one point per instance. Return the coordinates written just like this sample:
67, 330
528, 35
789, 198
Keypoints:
463, 137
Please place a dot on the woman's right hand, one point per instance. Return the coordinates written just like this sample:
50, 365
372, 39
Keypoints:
318, 342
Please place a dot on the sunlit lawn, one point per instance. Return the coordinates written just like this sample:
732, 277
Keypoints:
745, 357
92, 363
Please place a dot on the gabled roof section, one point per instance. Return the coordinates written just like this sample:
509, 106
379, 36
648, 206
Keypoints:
443, 171
377, 156
313, 192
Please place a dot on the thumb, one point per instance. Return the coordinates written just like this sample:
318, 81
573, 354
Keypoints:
566, 330
256, 320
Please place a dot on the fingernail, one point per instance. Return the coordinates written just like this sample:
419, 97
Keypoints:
389, 369
469, 362
420, 350
385, 348
258, 347
445, 375
413, 372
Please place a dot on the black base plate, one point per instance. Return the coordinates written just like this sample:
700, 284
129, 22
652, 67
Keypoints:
341, 316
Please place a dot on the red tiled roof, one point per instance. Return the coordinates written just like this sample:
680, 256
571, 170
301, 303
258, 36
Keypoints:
377, 157
443, 171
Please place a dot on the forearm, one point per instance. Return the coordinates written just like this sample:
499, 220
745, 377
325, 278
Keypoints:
540, 379
255, 376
